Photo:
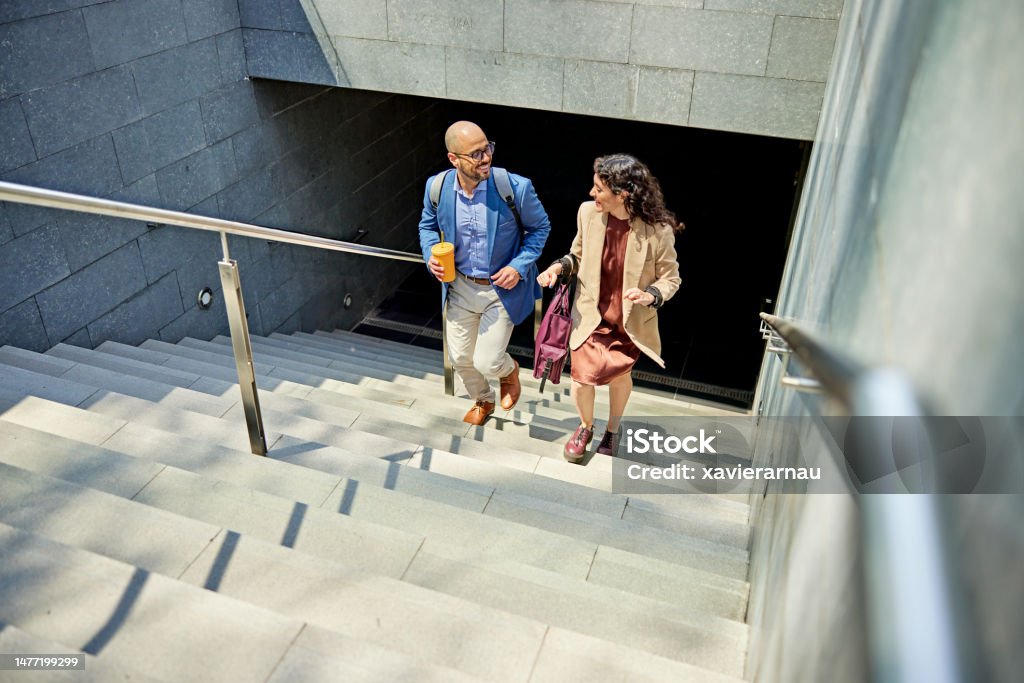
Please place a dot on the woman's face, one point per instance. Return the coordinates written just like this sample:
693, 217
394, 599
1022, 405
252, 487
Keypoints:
606, 200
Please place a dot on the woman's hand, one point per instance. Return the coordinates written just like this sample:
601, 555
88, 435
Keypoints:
638, 296
550, 276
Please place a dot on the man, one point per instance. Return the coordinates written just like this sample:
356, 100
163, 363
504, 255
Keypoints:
495, 284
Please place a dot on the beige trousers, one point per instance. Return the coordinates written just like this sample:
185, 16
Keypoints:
478, 332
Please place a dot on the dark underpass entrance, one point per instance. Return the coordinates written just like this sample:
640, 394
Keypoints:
736, 194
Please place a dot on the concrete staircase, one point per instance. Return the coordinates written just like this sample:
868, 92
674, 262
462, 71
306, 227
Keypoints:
382, 539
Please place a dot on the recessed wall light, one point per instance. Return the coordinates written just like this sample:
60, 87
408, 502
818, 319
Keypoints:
204, 298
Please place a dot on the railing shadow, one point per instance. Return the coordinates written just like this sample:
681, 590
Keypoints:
120, 616
220, 563
291, 533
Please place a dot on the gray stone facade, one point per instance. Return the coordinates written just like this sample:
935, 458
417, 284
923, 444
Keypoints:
150, 102
750, 66
906, 255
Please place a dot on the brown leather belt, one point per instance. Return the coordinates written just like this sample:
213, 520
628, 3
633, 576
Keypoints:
477, 280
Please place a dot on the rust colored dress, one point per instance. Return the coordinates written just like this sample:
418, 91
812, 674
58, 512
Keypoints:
608, 352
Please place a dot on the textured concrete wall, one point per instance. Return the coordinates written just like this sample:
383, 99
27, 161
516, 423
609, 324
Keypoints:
149, 101
752, 66
906, 253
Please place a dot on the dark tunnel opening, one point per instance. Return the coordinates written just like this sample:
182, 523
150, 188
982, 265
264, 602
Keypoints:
735, 193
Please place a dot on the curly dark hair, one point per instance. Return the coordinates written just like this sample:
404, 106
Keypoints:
626, 173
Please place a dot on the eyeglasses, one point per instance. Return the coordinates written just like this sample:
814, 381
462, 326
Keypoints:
479, 154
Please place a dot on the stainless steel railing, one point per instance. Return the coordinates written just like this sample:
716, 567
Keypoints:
239, 328
917, 631
24, 194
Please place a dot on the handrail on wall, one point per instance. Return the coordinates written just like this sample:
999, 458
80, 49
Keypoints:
916, 629
240, 342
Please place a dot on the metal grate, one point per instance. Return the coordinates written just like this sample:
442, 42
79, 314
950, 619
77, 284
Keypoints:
699, 387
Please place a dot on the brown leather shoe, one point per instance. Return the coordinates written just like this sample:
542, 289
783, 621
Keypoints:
478, 413
576, 447
510, 388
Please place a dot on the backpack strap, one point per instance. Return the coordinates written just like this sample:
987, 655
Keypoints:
435, 187
501, 182
435, 195
504, 186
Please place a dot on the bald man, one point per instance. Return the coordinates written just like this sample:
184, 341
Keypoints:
495, 284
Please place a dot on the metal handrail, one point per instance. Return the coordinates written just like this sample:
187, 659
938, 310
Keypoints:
916, 628
237, 323
832, 372
24, 194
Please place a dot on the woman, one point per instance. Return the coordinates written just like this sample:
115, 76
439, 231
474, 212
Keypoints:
624, 255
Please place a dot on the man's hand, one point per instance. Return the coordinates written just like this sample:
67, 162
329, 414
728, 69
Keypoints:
506, 278
638, 296
435, 268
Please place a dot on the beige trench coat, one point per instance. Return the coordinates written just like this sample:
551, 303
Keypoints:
650, 260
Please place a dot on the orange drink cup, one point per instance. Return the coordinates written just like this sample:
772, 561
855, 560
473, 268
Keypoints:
445, 253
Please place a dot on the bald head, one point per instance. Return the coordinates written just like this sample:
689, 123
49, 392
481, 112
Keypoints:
461, 135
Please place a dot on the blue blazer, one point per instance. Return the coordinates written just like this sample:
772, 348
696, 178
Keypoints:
504, 246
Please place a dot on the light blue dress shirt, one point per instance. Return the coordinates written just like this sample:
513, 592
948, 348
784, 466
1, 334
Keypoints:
471, 231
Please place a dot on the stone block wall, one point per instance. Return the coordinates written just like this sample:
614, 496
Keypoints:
751, 66
150, 102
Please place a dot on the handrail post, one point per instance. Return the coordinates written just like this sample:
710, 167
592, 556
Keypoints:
538, 316
449, 370
242, 347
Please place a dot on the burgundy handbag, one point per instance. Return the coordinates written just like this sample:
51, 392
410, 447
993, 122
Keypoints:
552, 345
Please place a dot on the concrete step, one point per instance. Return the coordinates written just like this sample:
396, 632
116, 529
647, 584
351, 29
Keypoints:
428, 384
653, 396
689, 508
357, 386
482, 473
77, 354
555, 413
686, 506
429, 370
431, 403
553, 432
409, 425
97, 669
651, 401
570, 656
17, 383
533, 401
650, 627
88, 368
331, 595
701, 640
543, 544
531, 410
194, 629
432, 361
233, 565
499, 442
176, 356
685, 586
550, 582
384, 550
221, 366
140, 619
520, 437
